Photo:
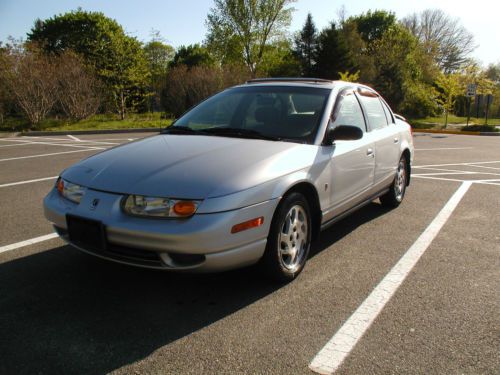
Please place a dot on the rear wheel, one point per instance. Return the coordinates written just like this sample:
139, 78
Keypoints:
395, 195
289, 239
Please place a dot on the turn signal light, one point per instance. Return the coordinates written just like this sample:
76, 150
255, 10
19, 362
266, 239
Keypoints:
60, 185
184, 208
257, 222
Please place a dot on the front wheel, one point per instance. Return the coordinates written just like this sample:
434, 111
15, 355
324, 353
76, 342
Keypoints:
395, 195
289, 239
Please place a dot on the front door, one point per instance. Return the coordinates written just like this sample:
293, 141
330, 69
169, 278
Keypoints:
352, 163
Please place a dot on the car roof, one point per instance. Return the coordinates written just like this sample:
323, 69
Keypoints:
304, 82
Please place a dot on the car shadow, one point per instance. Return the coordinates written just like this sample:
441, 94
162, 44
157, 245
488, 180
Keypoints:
345, 226
62, 311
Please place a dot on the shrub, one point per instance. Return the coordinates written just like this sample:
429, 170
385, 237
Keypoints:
479, 128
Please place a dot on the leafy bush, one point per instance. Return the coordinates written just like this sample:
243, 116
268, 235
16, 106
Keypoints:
479, 128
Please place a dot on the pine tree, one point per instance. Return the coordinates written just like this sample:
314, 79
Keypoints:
306, 44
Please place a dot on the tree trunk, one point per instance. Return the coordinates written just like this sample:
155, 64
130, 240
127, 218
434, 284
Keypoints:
122, 105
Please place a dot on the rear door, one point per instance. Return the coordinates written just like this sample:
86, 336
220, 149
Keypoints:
385, 135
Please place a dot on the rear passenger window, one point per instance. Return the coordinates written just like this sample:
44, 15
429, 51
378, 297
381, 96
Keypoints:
374, 111
388, 114
349, 113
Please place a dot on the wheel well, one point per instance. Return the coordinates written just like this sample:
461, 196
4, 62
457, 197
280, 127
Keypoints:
309, 192
407, 155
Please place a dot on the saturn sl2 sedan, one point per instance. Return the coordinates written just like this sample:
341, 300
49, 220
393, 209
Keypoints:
249, 176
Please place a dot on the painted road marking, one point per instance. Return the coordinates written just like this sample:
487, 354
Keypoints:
73, 138
329, 359
32, 241
28, 181
442, 173
443, 148
439, 178
43, 155
453, 164
16, 144
57, 144
49, 138
482, 166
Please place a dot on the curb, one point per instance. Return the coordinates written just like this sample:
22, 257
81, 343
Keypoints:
433, 131
9, 134
76, 132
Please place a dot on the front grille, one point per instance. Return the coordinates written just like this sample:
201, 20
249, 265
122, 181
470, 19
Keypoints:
133, 255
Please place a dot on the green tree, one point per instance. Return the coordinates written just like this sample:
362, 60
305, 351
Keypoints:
191, 56
280, 61
357, 51
493, 72
118, 59
404, 73
247, 26
158, 55
306, 45
450, 88
373, 25
333, 54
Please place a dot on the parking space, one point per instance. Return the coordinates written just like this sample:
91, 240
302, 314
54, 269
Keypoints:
62, 311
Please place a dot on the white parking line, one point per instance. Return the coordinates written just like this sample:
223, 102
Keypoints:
438, 178
483, 166
26, 142
32, 241
443, 148
329, 359
73, 138
441, 173
452, 164
49, 138
16, 144
63, 142
42, 155
28, 181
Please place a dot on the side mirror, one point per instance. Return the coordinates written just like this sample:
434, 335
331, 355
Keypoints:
343, 133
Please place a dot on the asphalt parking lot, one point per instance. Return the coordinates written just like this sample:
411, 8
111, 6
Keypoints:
62, 311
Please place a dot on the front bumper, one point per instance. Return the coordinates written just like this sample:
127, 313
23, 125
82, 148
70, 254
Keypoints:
202, 243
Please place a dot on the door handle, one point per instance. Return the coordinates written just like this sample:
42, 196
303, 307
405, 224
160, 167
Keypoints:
396, 140
369, 152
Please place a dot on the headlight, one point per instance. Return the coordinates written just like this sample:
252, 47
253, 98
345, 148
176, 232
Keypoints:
159, 207
70, 191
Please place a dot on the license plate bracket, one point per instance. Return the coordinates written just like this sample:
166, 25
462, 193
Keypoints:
87, 233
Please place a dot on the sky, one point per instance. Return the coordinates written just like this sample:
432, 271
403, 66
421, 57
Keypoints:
182, 22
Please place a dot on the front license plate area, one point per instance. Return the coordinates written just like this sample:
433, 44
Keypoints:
86, 233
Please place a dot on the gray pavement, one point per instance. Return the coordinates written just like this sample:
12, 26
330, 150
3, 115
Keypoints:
62, 311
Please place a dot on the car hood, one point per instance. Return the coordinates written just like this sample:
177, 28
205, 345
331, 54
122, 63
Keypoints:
190, 166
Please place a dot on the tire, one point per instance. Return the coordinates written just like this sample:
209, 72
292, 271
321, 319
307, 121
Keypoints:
396, 193
289, 239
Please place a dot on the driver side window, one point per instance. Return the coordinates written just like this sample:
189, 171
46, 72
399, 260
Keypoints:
349, 113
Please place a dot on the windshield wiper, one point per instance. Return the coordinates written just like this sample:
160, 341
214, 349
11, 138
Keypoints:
181, 130
240, 133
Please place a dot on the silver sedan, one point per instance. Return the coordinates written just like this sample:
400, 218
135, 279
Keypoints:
251, 175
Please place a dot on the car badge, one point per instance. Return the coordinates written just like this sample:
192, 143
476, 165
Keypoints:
94, 204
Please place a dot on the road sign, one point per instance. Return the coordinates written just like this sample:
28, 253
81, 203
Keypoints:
471, 90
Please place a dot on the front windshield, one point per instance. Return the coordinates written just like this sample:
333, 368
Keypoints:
277, 112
